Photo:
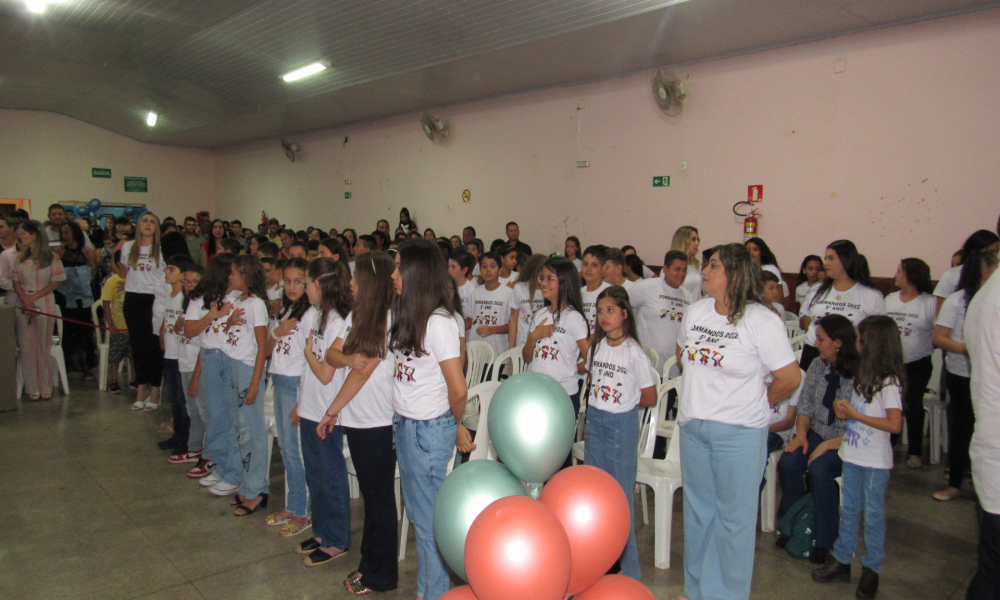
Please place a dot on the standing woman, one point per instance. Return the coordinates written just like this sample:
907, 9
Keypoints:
949, 335
846, 291
428, 398
527, 298
728, 344
210, 248
37, 275
79, 262
686, 240
364, 408
763, 256
914, 309
143, 272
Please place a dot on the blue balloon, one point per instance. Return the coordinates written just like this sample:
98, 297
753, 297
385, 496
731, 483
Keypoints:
95, 204
83, 212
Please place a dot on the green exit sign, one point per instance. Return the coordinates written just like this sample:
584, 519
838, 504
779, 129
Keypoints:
102, 173
661, 181
347, 195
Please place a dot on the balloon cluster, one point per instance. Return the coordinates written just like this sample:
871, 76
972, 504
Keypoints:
510, 544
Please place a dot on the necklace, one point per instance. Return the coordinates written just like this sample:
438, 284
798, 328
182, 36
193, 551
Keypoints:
619, 338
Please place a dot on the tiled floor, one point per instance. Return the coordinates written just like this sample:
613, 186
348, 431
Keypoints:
91, 509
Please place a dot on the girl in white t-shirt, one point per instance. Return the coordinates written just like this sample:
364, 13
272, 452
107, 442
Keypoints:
559, 336
914, 310
142, 269
363, 407
984, 239
286, 346
949, 335
429, 394
571, 251
728, 344
808, 277
328, 286
491, 307
246, 337
873, 413
621, 381
846, 291
763, 256
527, 299
460, 266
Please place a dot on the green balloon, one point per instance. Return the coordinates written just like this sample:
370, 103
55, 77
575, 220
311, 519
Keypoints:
532, 425
463, 495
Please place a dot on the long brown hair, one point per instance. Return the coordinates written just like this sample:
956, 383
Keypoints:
335, 288
253, 273
881, 360
39, 251
620, 297
425, 290
529, 273
744, 280
373, 276
154, 249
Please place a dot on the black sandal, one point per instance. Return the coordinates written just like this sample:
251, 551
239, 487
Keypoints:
247, 511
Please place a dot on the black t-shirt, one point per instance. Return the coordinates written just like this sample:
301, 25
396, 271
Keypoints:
521, 247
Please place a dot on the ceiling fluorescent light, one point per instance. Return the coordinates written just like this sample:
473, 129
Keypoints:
306, 71
36, 6
151, 119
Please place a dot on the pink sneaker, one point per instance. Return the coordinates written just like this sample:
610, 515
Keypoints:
184, 458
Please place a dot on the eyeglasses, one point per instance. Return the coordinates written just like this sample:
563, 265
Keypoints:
552, 279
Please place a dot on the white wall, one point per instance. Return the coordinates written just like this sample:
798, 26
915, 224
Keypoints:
47, 158
897, 153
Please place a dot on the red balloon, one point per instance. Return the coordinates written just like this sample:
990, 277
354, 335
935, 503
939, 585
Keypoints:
593, 510
616, 587
516, 549
460, 593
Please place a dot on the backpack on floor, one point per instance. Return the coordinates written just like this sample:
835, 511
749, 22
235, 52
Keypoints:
799, 526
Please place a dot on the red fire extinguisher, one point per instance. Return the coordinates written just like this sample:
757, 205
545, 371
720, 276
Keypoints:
750, 225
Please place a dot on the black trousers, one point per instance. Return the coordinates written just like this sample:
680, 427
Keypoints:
374, 460
146, 354
918, 375
961, 424
985, 584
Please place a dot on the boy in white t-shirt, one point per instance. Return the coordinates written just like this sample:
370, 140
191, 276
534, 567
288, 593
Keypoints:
491, 307
594, 258
773, 293
660, 304
614, 269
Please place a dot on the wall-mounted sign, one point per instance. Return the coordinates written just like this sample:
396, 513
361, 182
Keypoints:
661, 181
466, 196
755, 193
347, 195
102, 173
136, 184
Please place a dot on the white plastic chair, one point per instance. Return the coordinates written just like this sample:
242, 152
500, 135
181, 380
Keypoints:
937, 411
668, 364
664, 429
798, 341
664, 477
480, 355
484, 394
104, 351
769, 495
517, 364
654, 356
791, 317
58, 357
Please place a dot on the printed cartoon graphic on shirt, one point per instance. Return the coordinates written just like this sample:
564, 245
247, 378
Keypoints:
701, 353
904, 320
673, 314
548, 350
605, 388
488, 312
319, 348
404, 372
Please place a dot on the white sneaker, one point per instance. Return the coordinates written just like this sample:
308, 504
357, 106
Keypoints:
223, 488
139, 405
209, 480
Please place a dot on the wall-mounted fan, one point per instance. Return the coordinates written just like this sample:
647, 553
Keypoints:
436, 130
668, 92
291, 149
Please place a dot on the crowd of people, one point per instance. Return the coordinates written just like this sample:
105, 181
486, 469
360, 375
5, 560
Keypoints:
362, 337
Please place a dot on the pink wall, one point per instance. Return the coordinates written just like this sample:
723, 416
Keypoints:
48, 157
896, 153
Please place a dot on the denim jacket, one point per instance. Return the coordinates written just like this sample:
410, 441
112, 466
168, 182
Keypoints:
76, 287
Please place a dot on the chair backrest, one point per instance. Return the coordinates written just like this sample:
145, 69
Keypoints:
935, 383
798, 341
484, 391
793, 330
668, 364
102, 334
660, 416
647, 419
791, 317
516, 363
654, 356
57, 340
674, 447
657, 380
480, 355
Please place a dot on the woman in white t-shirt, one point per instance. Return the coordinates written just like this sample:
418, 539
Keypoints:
559, 336
728, 344
949, 335
246, 338
286, 346
571, 252
846, 291
363, 407
142, 268
687, 240
621, 382
328, 285
429, 395
763, 256
914, 309
874, 412
983, 239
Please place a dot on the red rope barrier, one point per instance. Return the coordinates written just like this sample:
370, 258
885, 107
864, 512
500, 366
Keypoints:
67, 319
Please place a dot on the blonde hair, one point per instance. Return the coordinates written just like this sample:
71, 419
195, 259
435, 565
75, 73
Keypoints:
680, 242
39, 251
744, 280
154, 250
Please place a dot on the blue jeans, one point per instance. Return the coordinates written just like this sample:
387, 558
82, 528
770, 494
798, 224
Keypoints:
424, 449
612, 446
285, 398
252, 431
720, 466
326, 476
822, 473
864, 493
195, 410
215, 388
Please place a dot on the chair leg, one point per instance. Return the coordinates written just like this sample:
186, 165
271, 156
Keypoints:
403, 533
663, 515
645, 509
769, 498
352, 484
935, 438
102, 368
